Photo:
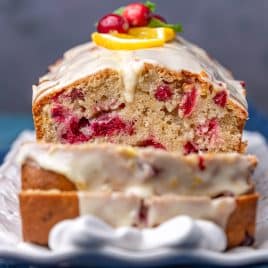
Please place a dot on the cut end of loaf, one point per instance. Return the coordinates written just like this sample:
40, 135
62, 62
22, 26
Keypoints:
169, 111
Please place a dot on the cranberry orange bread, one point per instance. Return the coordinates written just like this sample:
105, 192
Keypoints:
135, 87
173, 97
145, 186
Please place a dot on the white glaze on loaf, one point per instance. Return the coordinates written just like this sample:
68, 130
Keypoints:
143, 171
178, 55
163, 208
158, 209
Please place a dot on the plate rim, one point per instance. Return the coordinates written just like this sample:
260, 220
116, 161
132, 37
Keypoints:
128, 258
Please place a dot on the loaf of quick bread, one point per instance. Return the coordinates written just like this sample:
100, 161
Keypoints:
173, 97
137, 127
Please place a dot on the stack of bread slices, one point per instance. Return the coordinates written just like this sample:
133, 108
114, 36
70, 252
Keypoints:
138, 137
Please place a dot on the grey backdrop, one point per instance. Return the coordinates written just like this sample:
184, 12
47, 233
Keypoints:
33, 33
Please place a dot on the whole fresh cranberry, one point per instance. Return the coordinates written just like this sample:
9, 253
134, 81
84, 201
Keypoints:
112, 23
158, 17
137, 14
243, 84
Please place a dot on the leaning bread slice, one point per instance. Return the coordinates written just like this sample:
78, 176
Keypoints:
141, 171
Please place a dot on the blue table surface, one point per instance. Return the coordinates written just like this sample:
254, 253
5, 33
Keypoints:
12, 125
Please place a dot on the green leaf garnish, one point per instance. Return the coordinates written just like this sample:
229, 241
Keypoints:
150, 5
158, 23
119, 11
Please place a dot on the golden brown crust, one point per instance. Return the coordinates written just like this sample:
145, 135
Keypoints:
41, 210
34, 177
241, 225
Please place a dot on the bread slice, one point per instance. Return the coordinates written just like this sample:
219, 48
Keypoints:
144, 186
142, 171
173, 97
41, 210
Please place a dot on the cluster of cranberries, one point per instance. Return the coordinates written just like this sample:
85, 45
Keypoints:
133, 15
75, 129
189, 99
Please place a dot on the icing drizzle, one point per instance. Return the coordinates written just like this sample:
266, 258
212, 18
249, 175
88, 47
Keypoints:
178, 55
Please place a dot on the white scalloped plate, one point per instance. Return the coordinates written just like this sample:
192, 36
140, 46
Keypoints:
111, 257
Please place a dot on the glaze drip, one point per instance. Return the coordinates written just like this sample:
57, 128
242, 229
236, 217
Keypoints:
178, 55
